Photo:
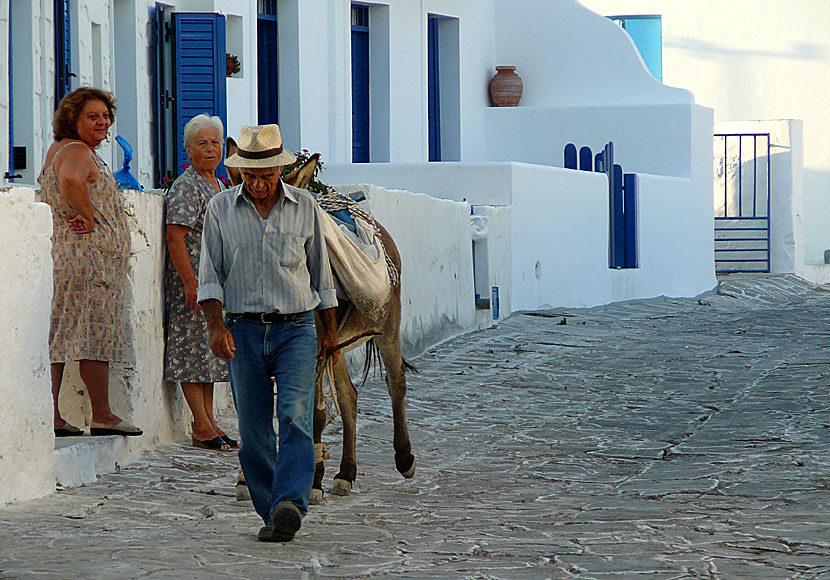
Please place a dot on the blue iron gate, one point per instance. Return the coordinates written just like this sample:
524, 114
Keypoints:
742, 202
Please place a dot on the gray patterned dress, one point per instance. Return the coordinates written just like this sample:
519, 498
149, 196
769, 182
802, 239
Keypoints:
188, 357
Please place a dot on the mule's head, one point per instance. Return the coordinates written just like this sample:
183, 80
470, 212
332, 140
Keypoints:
299, 177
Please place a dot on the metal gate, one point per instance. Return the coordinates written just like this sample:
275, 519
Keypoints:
742, 202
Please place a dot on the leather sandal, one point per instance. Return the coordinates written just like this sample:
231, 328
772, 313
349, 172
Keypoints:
214, 444
120, 428
68, 431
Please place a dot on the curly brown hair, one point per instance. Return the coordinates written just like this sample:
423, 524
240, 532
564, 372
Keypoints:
69, 109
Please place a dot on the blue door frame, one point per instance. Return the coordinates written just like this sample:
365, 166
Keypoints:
360, 84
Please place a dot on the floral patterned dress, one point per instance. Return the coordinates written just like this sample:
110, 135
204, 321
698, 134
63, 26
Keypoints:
89, 271
188, 357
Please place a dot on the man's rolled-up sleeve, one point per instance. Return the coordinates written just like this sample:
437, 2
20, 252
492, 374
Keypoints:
319, 266
211, 279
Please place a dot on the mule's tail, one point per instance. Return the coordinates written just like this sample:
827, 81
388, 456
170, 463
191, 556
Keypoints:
373, 360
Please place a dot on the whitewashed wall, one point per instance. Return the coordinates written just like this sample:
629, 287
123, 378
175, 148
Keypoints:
26, 437
138, 391
559, 220
434, 239
749, 63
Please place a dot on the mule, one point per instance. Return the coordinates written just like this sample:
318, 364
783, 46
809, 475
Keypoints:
380, 336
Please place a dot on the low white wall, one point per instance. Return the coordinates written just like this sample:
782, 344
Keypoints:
26, 437
434, 240
647, 138
559, 218
138, 391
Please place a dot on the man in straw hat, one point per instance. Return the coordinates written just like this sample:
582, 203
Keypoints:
264, 260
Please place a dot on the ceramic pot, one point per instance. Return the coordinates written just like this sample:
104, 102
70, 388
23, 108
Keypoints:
506, 87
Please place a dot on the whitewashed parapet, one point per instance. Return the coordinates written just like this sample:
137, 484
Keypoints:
434, 239
26, 437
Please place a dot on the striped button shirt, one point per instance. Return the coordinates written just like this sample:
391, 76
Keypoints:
278, 264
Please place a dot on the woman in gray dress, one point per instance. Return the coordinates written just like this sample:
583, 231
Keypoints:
188, 359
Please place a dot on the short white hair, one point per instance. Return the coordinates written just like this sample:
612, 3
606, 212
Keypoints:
198, 123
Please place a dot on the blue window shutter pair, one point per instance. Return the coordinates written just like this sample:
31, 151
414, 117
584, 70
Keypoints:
198, 74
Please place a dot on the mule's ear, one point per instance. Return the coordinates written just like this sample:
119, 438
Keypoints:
233, 173
230, 146
301, 176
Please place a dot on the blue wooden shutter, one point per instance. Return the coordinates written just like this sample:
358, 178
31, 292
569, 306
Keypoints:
63, 50
360, 84
198, 73
433, 91
162, 98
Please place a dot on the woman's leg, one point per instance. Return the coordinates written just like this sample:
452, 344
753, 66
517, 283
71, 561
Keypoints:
96, 377
57, 378
200, 400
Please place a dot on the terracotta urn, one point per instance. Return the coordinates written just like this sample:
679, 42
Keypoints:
506, 87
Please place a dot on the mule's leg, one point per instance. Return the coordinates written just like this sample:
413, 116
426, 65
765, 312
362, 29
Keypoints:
389, 345
347, 398
320, 470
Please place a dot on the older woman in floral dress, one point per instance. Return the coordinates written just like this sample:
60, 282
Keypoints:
188, 359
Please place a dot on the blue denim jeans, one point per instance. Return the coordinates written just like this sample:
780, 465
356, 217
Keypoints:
286, 351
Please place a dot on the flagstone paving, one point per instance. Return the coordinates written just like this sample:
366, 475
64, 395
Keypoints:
664, 439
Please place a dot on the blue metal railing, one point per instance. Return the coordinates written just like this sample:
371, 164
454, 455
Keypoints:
742, 229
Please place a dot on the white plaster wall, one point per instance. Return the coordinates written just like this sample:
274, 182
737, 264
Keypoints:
433, 238
26, 437
653, 139
138, 392
559, 218
568, 55
753, 61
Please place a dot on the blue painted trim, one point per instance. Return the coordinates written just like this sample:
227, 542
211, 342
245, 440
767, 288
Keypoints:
268, 107
10, 172
360, 95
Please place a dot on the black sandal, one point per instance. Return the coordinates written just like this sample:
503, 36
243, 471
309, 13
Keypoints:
214, 444
232, 442
68, 431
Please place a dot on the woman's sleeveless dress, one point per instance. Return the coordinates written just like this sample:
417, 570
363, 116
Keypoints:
89, 271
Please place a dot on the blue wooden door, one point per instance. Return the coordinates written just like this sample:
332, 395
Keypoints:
267, 68
433, 91
198, 74
360, 84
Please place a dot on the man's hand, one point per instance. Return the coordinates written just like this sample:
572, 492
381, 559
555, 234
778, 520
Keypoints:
221, 342
219, 337
328, 342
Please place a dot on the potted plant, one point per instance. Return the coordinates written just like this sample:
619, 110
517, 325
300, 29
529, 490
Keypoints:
232, 64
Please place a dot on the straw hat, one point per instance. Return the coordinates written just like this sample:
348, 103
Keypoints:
260, 146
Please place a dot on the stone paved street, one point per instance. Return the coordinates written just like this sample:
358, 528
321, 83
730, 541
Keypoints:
674, 439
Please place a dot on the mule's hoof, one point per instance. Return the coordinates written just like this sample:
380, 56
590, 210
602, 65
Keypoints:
341, 487
316, 497
406, 465
242, 493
